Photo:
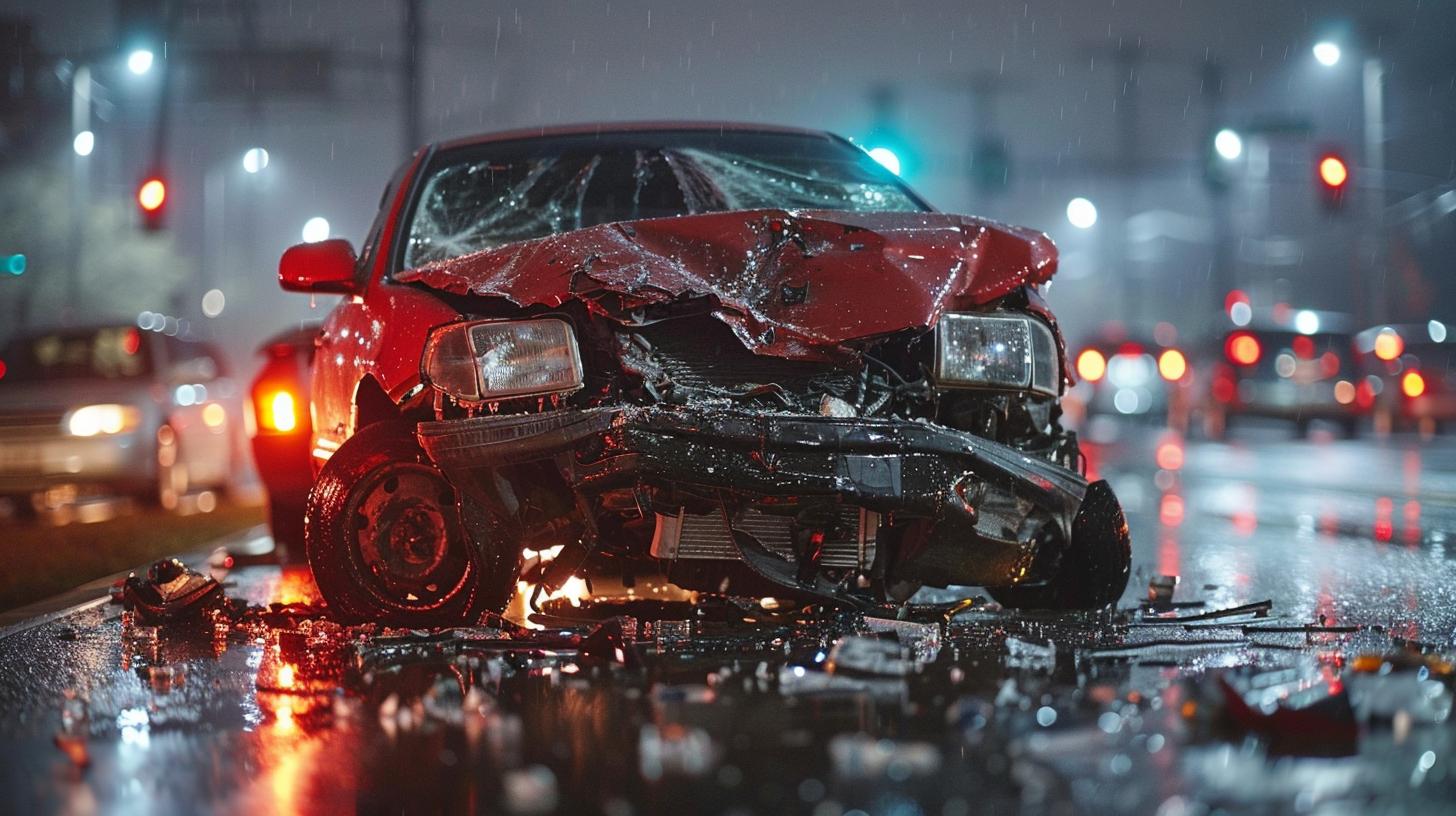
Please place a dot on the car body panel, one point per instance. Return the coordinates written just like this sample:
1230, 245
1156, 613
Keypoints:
790, 284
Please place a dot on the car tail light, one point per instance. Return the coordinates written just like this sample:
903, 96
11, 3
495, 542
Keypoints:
1172, 365
485, 361
1413, 384
1243, 348
1091, 365
278, 412
1388, 345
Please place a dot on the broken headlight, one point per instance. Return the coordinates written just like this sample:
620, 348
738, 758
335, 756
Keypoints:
985, 351
492, 360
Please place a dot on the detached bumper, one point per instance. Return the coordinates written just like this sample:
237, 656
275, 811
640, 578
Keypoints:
980, 510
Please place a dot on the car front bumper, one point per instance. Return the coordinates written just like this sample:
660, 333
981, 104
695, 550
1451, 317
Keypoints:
984, 509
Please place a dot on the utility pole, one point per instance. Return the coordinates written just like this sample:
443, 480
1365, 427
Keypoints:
1372, 81
410, 75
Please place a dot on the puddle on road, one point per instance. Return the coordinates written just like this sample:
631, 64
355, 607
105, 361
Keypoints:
633, 704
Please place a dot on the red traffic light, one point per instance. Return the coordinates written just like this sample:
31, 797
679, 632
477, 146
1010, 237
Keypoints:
152, 195
1333, 172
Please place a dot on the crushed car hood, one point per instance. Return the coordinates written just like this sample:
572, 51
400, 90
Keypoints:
794, 284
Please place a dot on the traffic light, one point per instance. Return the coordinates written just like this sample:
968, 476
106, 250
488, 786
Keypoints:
152, 198
1332, 174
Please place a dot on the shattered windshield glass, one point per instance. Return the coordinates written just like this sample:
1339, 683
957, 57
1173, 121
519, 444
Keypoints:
487, 195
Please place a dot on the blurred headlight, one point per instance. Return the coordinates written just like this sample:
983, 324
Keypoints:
984, 351
492, 360
99, 420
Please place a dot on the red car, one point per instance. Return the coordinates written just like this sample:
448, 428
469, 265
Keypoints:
750, 359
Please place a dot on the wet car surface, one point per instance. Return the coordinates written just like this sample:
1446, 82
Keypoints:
1316, 589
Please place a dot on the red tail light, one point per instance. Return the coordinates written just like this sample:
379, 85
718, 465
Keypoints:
1242, 348
1172, 365
1413, 384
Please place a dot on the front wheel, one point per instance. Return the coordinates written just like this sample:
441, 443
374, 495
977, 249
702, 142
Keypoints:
385, 541
1094, 567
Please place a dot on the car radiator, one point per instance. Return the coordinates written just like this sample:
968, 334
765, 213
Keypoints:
706, 537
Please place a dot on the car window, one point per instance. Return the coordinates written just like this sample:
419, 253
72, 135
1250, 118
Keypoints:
112, 353
497, 193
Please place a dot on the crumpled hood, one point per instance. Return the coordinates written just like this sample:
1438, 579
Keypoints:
798, 284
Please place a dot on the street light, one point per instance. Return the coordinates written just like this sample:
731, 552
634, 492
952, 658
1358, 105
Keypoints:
1081, 213
1229, 144
213, 302
140, 61
84, 143
887, 158
1327, 53
255, 160
315, 229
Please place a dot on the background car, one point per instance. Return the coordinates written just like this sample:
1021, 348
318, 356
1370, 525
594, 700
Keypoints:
1294, 365
1140, 375
1409, 371
279, 425
112, 409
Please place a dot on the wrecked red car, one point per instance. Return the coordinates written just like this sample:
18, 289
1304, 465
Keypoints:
748, 359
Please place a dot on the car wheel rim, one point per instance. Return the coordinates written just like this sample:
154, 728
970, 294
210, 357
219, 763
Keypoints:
406, 536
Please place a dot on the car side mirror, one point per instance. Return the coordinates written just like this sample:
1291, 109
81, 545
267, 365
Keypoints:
322, 267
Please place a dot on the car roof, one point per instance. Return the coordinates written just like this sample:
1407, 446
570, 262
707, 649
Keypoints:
588, 128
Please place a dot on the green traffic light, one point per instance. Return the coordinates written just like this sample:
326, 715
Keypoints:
15, 264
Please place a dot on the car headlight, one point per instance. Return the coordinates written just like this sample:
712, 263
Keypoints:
986, 351
101, 420
496, 359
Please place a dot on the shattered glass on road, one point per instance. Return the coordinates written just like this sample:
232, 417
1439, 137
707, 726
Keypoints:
1225, 681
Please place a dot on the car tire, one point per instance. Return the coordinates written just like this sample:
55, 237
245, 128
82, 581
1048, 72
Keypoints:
1094, 568
385, 539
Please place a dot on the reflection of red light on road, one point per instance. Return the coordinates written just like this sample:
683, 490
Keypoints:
1384, 527
1412, 517
295, 585
1170, 512
1170, 455
1169, 556
1245, 522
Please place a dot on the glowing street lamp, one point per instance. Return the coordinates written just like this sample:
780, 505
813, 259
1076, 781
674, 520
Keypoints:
140, 61
1326, 53
887, 158
315, 229
255, 160
84, 143
1082, 213
1228, 144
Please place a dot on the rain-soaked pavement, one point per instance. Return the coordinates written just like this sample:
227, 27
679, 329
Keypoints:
1299, 666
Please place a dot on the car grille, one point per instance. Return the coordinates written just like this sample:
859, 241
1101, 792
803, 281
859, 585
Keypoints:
704, 355
30, 424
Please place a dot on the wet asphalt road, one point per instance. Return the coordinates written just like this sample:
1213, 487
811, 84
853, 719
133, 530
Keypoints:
997, 712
